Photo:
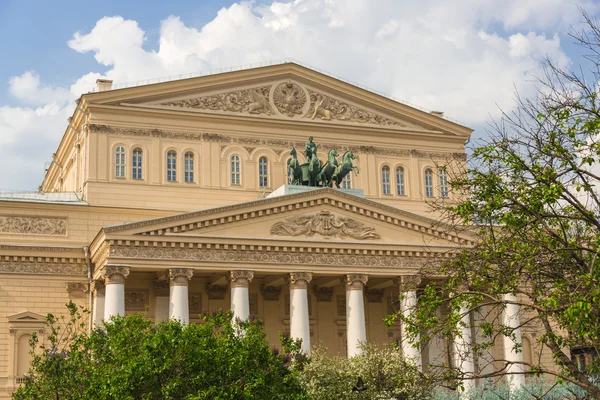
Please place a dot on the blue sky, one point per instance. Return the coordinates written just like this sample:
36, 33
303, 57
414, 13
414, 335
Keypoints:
465, 57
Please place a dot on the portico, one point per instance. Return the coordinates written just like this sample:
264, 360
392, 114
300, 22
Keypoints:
302, 263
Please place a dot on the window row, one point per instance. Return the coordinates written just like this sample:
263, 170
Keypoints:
137, 156
386, 182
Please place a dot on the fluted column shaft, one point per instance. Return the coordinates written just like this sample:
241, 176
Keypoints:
114, 303
356, 332
463, 353
99, 291
510, 318
240, 301
299, 324
408, 303
179, 308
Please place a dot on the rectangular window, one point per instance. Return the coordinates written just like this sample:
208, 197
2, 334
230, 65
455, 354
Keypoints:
443, 183
385, 180
171, 167
347, 182
137, 164
428, 183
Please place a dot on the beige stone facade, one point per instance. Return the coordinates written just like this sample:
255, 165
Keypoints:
176, 178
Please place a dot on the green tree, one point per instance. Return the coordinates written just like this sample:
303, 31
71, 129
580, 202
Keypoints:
383, 369
531, 193
131, 358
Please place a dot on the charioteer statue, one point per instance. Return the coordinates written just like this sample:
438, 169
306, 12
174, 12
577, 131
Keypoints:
317, 174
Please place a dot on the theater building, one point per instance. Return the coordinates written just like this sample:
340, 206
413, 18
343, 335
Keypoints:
174, 198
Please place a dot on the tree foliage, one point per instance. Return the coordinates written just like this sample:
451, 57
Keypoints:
384, 372
531, 193
131, 358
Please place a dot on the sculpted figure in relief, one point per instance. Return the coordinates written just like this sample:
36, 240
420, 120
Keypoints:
252, 101
289, 98
326, 224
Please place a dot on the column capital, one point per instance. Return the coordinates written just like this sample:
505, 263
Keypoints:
241, 278
180, 276
299, 280
116, 274
408, 282
355, 281
98, 288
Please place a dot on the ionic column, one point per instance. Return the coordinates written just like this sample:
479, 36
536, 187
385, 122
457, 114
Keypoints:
463, 353
99, 290
408, 288
114, 303
356, 332
299, 325
510, 319
161, 300
179, 307
240, 302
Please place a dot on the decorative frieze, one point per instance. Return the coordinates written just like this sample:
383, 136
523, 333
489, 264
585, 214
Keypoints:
155, 133
30, 225
195, 303
355, 281
76, 287
241, 278
216, 292
369, 261
180, 276
270, 293
116, 274
251, 101
98, 287
324, 293
326, 224
136, 300
40, 268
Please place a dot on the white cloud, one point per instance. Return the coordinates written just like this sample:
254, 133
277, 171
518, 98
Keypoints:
28, 89
451, 56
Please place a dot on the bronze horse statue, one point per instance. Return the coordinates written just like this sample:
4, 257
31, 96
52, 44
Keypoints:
344, 168
294, 168
328, 168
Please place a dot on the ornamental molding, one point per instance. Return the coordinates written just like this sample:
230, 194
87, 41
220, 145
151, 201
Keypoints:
357, 205
248, 101
216, 292
290, 99
180, 276
136, 300
116, 274
32, 225
351, 258
355, 281
98, 287
323, 293
241, 278
270, 293
275, 144
299, 280
408, 282
76, 287
327, 108
326, 224
40, 268
195, 304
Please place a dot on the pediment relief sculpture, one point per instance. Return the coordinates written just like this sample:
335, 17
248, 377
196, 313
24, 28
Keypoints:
288, 99
251, 101
326, 224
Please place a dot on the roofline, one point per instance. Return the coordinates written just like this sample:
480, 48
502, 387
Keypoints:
282, 63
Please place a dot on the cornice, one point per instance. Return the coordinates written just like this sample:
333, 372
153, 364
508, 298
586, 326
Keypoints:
279, 205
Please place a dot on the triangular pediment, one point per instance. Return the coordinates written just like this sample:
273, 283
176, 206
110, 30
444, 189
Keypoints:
26, 316
324, 215
284, 92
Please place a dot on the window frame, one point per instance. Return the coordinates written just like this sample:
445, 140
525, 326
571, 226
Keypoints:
443, 183
386, 185
188, 167
120, 159
235, 177
428, 181
137, 164
400, 183
171, 165
347, 181
263, 176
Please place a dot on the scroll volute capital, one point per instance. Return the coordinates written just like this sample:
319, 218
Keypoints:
180, 276
299, 280
355, 281
408, 282
241, 278
116, 274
